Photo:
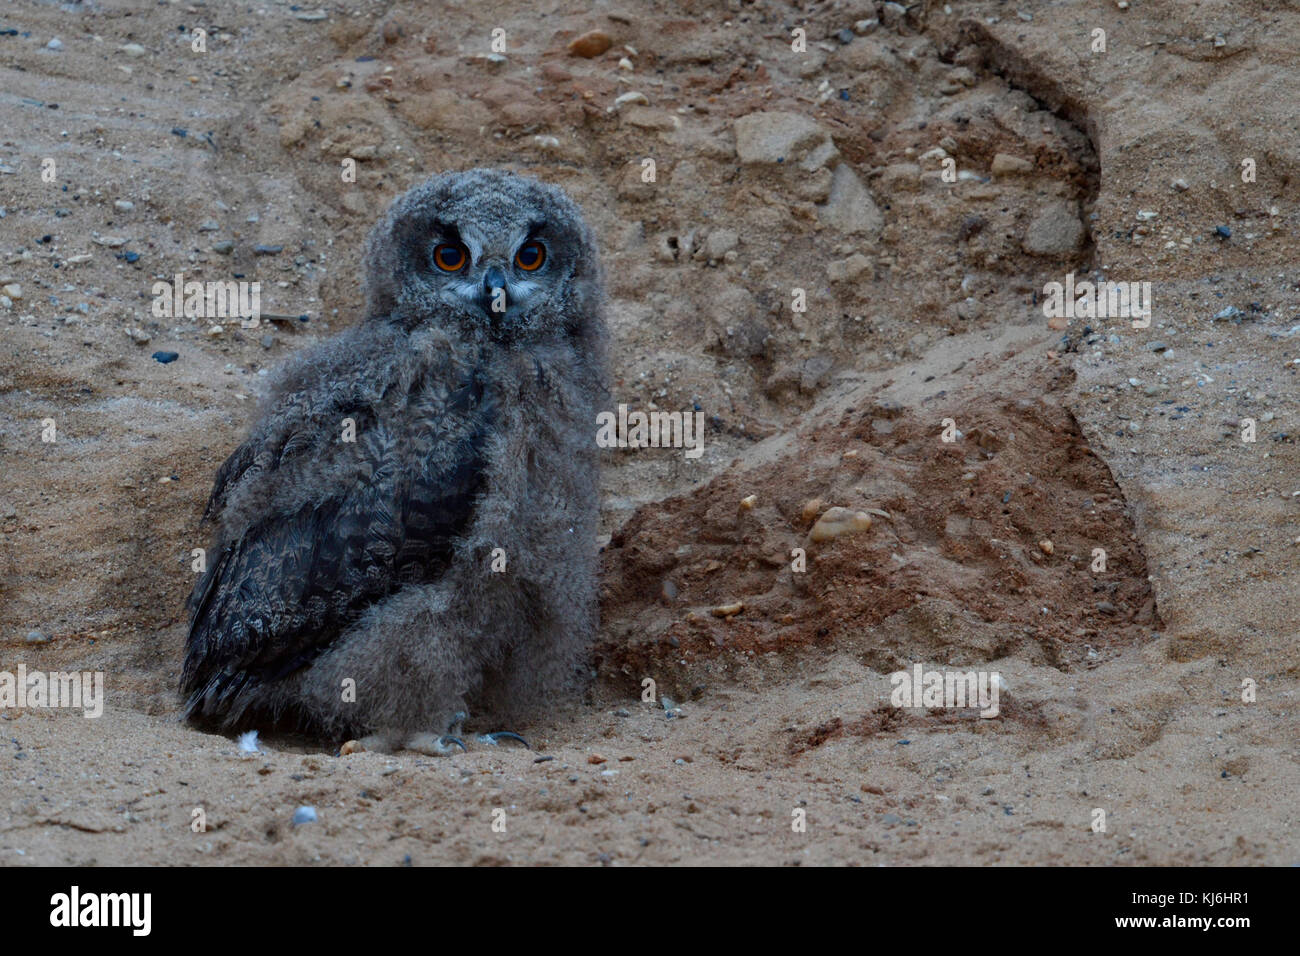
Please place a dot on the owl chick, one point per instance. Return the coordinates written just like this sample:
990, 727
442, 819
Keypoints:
409, 531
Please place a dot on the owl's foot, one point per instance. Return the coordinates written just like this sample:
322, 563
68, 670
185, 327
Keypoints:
434, 745
457, 721
501, 735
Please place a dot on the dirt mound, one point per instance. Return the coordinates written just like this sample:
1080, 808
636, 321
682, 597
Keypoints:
982, 547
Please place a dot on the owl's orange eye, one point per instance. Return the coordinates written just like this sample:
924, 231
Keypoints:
450, 256
530, 256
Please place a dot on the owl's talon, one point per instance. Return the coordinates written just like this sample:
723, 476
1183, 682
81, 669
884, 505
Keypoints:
500, 735
433, 745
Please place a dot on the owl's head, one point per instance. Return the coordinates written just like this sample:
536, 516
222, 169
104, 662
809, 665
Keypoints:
493, 252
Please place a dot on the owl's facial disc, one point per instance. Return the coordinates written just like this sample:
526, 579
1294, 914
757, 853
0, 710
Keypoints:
499, 277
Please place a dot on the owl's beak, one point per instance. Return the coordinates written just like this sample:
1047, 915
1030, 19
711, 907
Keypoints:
493, 297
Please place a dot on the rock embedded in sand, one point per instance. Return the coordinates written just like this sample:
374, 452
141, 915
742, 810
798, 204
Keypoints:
728, 610
590, 44
772, 138
848, 269
1055, 230
811, 509
839, 521
1005, 164
849, 207
719, 242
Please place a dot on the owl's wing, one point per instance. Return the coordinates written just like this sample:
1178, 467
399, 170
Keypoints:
279, 592
270, 446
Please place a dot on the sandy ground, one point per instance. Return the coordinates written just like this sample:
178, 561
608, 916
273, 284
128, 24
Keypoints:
1123, 686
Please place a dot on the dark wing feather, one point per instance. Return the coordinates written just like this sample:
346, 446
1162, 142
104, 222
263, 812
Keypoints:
276, 596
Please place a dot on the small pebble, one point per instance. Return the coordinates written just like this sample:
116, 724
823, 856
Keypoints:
839, 521
268, 250
590, 44
165, 357
304, 815
55, 44
36, 637
1223, 232
123, 205
223, 247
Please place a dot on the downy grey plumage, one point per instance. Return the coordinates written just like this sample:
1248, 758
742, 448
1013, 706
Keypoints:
472, 392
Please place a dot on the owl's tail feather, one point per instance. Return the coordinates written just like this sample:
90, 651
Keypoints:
219, 698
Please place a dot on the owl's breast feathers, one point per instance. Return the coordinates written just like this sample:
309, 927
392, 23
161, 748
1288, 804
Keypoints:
282, 588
